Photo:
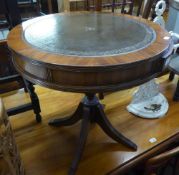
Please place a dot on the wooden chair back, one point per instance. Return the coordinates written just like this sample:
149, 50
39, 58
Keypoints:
100, 4
26, 6
147, 8
10, 162
6, 66
2, 7
123, 6
161, 160
9, 78
9, 9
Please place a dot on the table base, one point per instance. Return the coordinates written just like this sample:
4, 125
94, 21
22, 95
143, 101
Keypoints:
89, 111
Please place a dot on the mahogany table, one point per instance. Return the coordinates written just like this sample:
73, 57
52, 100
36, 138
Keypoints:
89, 53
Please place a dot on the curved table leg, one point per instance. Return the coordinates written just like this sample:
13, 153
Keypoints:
90, 110
105, 124
82, 140
66, 121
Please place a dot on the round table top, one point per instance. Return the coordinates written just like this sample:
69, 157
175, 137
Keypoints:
89, 35
88, 39
89, 52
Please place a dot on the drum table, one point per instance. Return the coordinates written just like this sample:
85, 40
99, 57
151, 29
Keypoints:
89, 53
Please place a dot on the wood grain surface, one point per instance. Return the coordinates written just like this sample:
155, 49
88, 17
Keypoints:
47, 150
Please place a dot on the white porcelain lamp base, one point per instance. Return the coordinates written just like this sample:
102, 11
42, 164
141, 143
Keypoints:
148, 102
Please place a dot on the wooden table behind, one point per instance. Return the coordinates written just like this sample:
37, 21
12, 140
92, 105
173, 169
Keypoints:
47, 150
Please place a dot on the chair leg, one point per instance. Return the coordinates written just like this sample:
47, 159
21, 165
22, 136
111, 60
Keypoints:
22, 84
34, 100
101, 96
171, 76
176, 94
